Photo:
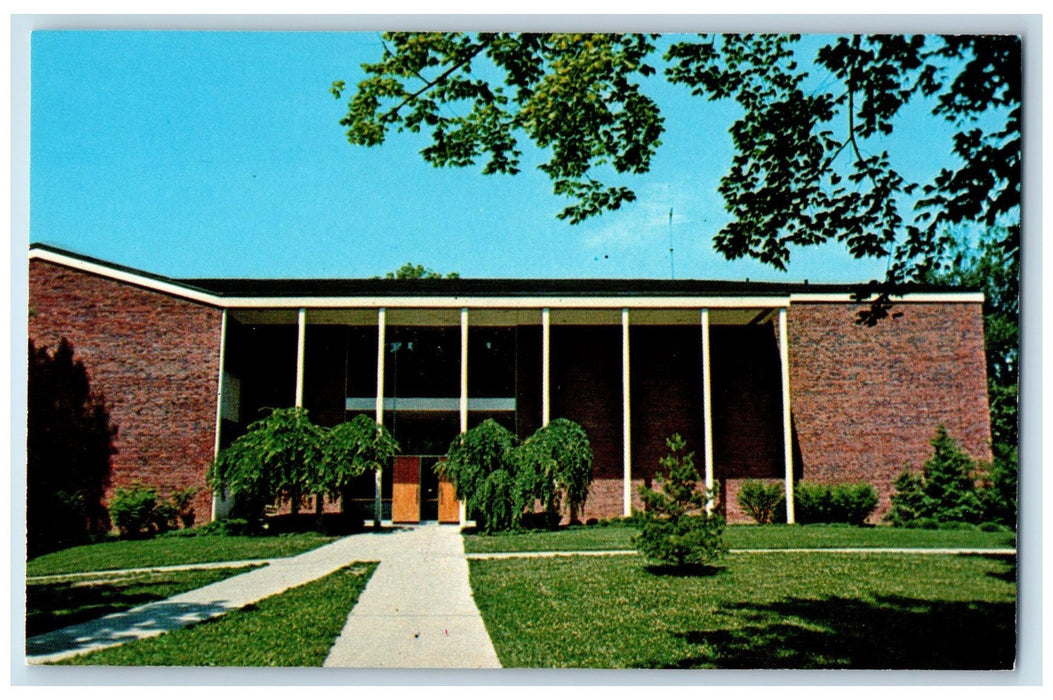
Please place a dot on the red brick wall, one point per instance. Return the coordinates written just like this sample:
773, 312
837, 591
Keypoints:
586, 384
154, 359
867, 400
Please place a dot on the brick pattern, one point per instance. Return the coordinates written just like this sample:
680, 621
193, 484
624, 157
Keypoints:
868, 400
865, 400
154, 359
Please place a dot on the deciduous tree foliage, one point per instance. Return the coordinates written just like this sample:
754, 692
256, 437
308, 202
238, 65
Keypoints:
813, 145
993, 266
409, 271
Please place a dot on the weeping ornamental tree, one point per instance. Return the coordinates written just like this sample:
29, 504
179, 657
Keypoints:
350, 450
480, 466
284, 456
278, 458
500, 480
556, 463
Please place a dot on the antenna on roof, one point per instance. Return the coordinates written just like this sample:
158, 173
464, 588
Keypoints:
672, 273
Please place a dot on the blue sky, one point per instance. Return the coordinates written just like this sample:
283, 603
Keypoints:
209, 154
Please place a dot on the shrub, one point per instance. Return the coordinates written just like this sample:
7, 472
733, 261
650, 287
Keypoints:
231, 527
182, 503
553, 463
675, 528
945, 491
760, 499
836, 503
138, 511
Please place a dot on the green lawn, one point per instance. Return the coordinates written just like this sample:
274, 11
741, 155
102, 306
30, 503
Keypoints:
66, 601
593, 538
295, 628
764, 610
167, 551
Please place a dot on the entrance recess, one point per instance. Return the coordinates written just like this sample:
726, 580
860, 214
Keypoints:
418, 494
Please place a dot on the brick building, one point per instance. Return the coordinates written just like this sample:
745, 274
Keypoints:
764, 380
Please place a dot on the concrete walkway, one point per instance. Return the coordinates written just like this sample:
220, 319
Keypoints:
417, 610
422, 569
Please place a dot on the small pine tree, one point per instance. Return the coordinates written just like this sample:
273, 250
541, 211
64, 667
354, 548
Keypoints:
999, 490
946, 490
675, 528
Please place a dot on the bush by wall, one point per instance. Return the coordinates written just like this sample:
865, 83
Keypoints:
833, 503
760, 499
812, 503
69, 444
675, 528
139, 511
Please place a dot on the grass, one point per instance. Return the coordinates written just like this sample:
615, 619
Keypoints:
593, 538
60, 602
166, 551
761, 610
294, 628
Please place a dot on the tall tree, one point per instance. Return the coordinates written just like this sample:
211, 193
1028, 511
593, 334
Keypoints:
811, 159
992, 265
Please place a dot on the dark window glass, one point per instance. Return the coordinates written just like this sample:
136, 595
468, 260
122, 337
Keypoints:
422, 362
423, 432
491, 362
362, 361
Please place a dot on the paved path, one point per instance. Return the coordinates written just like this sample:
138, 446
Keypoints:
417, 610
422, 569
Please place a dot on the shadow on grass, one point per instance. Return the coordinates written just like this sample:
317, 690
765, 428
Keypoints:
1007, 573
123, 627
53, 606
890, 632
685, 570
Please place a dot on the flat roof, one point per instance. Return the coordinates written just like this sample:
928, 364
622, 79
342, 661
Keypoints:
307, 288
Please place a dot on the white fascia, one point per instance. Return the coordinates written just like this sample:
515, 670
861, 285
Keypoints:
128, 277
915, 298
495, 302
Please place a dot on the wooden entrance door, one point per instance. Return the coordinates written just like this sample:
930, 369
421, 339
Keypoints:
405, 492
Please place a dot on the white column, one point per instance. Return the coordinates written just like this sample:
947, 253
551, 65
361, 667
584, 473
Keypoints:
301, 341
627, 492
787, 432
220, 506
546, 367
378, 484
462, 508
707, 408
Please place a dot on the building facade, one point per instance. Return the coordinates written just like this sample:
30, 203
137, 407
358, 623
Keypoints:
765, 381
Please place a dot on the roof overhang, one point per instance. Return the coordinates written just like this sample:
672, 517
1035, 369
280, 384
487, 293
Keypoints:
682, 303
